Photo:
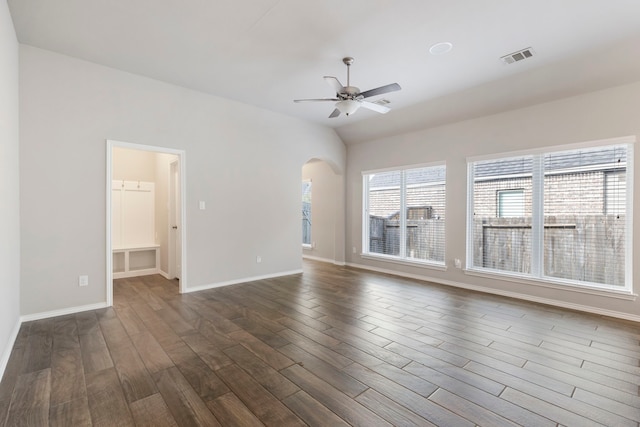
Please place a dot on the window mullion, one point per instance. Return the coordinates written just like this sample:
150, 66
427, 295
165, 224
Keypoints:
537, 216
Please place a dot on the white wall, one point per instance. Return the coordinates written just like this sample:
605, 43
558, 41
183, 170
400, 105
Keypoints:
605, 114
243, 161
9, 187
133, 165
324, 192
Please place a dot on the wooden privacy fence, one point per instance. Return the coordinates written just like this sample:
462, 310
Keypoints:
425, 237
587, 248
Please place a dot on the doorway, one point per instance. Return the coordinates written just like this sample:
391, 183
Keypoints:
170, 232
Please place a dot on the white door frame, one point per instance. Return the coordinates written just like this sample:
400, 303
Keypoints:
183, 231
175, 220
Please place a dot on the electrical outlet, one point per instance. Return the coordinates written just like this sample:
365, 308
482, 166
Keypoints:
83, 280
258, 259
354, 250
458, 263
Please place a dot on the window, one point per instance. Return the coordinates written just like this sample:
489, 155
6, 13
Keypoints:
404, 212
306, 213
510, 203
615, 190
561, 216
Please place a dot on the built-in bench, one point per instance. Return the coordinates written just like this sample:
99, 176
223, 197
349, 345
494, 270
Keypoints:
136, 261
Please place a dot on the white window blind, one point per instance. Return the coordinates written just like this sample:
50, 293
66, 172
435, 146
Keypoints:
404, 214
561, 216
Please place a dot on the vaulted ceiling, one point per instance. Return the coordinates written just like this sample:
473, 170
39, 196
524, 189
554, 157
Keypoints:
269, 52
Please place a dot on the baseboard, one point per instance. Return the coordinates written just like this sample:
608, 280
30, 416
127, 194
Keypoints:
243, 280
163, 274
327, 260
9, 348
62, 312
509, 294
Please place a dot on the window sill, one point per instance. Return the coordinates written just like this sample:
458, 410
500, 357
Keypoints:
408, 262
623, 294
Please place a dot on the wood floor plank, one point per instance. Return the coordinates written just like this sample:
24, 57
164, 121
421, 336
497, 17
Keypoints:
329, 373
332, 398
70, 413
391, 411
11, 372
39, 346
328, 355
264, 334
151, 352
479, 397
232, 412
313, 412
114, 333
107, 403
67, 376
185, 405
269, 355
269, 378
469, 410
374, 347
95, 354
152, 411
553, 412
586, 379
130, 320
65, 334
30, 399
134, 377
269, 410
209, 353
630, 410
87, 322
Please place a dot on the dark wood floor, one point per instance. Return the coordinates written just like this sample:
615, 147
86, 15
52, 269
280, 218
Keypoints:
334, 346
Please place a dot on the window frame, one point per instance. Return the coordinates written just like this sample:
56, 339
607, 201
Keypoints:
499, 205
397, 259
537, 277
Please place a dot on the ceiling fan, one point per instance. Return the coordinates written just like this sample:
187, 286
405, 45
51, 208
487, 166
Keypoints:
349, 98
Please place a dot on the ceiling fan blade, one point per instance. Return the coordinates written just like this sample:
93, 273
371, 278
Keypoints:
375, 107
334, 83
316, 100
335, 113
380, 90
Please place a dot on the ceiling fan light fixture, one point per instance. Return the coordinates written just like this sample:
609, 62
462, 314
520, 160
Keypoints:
348, 106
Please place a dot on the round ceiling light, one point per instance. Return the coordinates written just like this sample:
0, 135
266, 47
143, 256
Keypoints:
440, 48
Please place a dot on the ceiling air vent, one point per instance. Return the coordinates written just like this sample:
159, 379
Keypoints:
517, 56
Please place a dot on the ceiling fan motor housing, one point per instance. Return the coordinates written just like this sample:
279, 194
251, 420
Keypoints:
349, 92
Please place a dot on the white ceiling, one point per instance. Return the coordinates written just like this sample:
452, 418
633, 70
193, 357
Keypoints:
268, 52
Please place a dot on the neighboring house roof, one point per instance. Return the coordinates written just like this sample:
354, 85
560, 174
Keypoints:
428, 175
564, 160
